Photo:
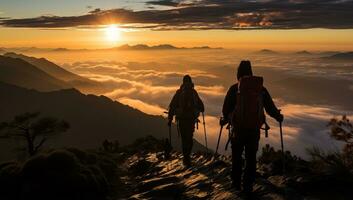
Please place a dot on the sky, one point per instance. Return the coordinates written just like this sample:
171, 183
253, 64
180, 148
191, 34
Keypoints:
238, 24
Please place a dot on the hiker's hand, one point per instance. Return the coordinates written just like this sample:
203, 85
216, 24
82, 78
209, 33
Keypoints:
223, 121
280, 118
169, 122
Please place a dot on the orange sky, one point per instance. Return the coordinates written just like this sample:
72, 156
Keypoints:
309, 39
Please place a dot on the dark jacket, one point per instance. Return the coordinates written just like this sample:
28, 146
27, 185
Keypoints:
231, 100
174, 104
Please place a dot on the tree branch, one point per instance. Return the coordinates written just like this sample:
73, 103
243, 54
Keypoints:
40, 144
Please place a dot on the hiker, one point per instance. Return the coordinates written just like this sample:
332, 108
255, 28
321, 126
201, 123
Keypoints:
186, 105
243, 108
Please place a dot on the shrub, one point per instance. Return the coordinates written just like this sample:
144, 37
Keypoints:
60, 174
271, 162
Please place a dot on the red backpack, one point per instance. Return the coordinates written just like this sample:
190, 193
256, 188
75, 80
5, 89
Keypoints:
249, 110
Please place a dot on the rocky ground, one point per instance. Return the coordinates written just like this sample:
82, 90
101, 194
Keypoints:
140, 171
149, 176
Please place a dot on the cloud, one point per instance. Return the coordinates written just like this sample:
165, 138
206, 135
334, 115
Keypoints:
149, 87
142, 106
210, 14
147, 84
304, 127
173, 3
216, 90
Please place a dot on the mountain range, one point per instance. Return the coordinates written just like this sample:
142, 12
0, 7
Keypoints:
158, 47
45, 87
122, 47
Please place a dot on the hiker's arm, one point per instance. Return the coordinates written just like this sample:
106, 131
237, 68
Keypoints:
200, 104
270, 106
173, 106
229, 102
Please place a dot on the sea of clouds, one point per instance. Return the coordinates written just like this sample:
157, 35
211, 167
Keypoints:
308, 90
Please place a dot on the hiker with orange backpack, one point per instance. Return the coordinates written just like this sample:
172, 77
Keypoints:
243, 109
186, 105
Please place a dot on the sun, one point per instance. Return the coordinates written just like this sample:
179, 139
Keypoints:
112, 33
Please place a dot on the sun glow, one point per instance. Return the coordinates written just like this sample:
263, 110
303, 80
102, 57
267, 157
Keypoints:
112, 33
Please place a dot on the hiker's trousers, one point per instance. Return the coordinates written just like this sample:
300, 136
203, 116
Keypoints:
247, 139
186, 128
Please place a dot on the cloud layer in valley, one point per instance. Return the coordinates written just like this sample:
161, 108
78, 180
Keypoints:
308, 91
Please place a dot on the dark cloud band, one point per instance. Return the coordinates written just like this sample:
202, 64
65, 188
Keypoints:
210, 14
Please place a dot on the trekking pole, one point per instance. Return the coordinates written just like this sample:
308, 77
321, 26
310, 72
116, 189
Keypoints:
219, 138
178, 128
169, 130
204, 128
170, 135
229, 136
283, 154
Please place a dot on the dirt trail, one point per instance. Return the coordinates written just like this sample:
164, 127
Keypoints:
152, 177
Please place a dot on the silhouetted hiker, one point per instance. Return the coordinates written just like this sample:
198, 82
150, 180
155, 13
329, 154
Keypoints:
186, 105
243, 108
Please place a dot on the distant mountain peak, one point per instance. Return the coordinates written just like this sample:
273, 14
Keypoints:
266, 51
341, 56
304, 52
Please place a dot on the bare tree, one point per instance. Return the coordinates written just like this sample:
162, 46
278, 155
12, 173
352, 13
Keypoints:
32, 129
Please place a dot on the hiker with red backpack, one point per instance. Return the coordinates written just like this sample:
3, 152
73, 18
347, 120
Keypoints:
243, 109
186, 105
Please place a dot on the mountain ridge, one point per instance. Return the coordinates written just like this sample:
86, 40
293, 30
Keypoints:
83, 84
92, 118
19, 72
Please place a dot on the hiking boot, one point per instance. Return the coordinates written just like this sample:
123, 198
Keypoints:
236, 186
249, 195
187, 162
248, 190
